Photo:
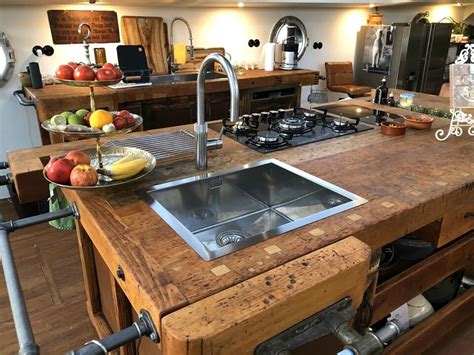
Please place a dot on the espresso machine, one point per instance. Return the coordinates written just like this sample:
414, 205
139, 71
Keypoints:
289, 55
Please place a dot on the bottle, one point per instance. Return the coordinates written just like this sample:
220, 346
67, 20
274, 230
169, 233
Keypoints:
381, 92
391, 100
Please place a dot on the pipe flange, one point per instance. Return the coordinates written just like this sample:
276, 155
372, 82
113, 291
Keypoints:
150, 329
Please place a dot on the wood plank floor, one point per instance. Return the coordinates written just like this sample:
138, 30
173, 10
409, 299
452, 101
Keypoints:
49, 267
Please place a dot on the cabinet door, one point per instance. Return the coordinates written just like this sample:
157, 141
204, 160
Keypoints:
169, 112
217, 106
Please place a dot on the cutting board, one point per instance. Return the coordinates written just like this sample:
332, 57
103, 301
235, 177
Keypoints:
152, 34
193, 65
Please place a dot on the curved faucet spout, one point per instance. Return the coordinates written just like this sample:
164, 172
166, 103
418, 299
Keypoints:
201, 126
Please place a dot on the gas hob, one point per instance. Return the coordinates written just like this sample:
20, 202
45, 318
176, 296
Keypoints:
275, 130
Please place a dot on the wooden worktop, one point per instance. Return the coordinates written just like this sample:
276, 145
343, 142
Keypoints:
409, 181
250, 79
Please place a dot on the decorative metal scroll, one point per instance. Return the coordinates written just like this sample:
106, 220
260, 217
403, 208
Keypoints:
461, 77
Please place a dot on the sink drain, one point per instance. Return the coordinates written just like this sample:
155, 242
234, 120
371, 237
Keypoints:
229, 237
202, 214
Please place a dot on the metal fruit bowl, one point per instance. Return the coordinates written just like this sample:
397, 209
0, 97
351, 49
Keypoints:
89, 83
110, 155
93, 133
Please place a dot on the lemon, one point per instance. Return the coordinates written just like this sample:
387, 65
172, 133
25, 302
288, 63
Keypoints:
57, 120
100, 118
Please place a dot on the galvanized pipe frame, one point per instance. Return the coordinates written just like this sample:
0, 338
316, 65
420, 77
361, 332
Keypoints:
21, 320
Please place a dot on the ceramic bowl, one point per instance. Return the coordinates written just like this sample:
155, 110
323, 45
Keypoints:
419, 121
393, 128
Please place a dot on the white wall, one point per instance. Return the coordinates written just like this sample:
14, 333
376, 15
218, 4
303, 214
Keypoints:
231, 28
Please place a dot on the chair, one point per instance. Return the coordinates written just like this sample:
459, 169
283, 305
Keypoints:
339, 79
444, 92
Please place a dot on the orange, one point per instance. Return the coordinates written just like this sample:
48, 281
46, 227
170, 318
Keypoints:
100, 118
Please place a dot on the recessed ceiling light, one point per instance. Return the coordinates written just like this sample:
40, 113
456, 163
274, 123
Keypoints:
372, 5
240, 4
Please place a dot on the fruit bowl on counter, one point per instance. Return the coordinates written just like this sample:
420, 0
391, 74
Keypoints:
78, 125
81, 169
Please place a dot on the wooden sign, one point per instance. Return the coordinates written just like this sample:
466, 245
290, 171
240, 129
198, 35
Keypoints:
64, 24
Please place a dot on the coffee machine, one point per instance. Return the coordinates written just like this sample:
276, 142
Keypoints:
289, 55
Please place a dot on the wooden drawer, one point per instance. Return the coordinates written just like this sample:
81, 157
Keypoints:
450, 227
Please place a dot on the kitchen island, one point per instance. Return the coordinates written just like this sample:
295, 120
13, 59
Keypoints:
133, 260
171, 104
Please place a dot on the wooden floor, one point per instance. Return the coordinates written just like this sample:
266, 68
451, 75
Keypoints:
49, 268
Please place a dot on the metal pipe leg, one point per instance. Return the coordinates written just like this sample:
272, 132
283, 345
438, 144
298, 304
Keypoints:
17, 302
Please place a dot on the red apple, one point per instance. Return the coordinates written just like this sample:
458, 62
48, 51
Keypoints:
78, 157
73, 65
60, 170
87, 118
84, 72
50, 162
120, 123
130, 120
108, 65
118, 73
105, 74
123, 113
65, 71
83, 175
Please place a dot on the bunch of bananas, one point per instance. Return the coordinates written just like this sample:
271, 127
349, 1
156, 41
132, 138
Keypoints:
124, 168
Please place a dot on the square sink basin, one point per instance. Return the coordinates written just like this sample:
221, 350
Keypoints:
219, 213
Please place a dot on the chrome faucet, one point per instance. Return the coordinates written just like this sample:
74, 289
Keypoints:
200, 127
173, 65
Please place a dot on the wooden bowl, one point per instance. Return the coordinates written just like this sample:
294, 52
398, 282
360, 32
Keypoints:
393, 128
419, 121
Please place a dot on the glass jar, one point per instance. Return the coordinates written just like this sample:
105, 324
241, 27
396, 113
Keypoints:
406, 99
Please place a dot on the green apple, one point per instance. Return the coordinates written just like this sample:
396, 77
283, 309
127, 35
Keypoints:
75, 119
82, 112
66, 114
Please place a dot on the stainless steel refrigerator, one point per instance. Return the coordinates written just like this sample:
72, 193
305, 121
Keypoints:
413, 56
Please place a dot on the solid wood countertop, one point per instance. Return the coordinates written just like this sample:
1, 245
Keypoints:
250, 79
409, 181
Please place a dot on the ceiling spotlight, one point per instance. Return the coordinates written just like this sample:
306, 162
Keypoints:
240, 4
458, 4
372, 5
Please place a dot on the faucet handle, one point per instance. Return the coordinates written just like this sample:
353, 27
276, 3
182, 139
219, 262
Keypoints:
191, 51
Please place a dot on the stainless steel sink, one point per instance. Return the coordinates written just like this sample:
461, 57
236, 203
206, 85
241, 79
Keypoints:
219, 213
180, 78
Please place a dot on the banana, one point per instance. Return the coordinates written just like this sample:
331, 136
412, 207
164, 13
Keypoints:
125, 159
125, 169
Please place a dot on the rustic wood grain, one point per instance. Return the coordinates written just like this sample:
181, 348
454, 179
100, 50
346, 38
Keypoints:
452, 225
238, 319
151, 33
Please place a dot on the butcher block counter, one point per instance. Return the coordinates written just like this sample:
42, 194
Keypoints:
133, 260
147, 100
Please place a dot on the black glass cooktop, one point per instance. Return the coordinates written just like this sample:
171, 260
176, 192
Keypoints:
275, 130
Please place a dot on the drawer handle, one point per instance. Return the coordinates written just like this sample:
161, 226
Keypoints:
468, 214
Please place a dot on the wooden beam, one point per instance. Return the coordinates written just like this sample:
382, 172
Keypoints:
426, 333
422, 276
239, 318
